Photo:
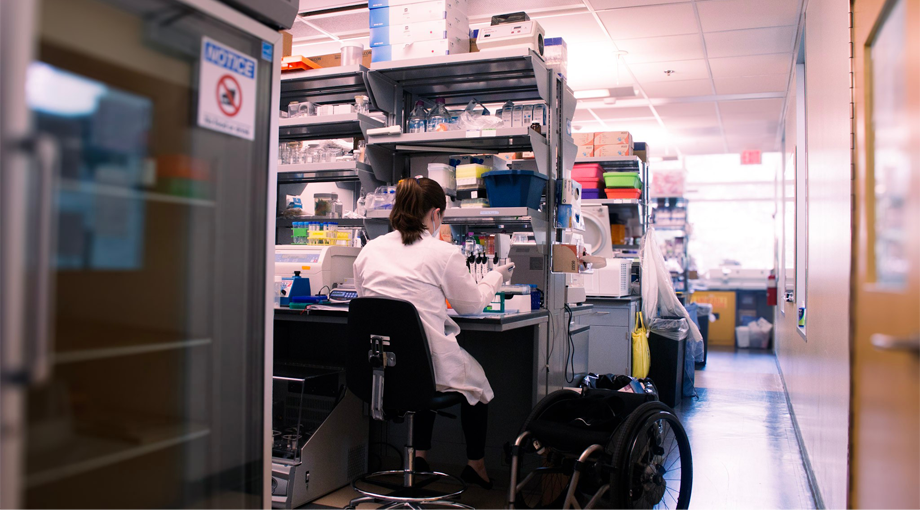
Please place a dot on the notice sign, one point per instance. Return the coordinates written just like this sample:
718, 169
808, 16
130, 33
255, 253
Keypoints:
226, 90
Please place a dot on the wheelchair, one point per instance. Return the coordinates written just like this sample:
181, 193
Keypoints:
601, 448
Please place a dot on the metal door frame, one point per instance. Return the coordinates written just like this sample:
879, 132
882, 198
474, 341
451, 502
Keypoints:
17, 43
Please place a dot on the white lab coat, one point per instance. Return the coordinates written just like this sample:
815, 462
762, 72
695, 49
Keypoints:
425, 274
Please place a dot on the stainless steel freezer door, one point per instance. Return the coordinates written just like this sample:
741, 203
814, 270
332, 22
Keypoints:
134, 297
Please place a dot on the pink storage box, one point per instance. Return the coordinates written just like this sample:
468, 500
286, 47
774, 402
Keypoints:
587, 171
590, 183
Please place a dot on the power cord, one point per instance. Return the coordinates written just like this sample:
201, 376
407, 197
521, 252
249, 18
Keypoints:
570, 346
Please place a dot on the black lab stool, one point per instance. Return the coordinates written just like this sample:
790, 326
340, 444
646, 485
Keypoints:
389, 367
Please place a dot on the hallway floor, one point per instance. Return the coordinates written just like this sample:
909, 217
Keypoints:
745, 454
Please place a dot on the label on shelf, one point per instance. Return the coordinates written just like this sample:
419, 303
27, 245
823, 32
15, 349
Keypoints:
473, 134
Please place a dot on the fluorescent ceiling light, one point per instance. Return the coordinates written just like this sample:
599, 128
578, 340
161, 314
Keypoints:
591, 94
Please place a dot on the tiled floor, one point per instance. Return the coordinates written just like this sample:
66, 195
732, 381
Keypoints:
745, 453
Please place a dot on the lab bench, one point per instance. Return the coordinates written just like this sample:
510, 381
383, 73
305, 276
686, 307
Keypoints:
511, 347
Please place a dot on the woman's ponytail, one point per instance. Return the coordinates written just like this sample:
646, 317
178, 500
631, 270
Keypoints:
414, 198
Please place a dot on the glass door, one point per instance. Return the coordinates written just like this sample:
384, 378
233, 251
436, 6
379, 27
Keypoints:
153, 390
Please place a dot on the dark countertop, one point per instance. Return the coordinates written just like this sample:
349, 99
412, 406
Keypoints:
484, 322
623, 299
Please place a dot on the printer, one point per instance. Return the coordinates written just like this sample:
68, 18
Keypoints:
325, 266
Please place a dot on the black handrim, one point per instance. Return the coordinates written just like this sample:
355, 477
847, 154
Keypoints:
659, 470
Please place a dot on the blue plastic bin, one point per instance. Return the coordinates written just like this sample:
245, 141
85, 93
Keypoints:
514, 188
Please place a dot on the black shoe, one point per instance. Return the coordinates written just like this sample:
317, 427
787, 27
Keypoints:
469, 475
421, 465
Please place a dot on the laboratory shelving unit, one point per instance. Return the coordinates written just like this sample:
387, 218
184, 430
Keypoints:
629, 207
496, 76
678, 231
334, 85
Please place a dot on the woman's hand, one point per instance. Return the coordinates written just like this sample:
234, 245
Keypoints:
506, 271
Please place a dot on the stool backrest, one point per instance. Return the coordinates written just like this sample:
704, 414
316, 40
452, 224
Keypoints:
410, 380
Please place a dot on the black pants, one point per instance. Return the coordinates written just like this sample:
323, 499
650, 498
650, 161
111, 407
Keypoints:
474, 419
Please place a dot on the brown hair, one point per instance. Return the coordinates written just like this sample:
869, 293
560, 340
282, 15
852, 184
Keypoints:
414, 198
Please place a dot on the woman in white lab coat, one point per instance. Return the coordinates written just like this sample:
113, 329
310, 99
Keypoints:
411, 263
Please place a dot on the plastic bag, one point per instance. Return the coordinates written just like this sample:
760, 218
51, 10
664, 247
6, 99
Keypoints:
675, 329
658, 296
760, 333
471, 121
641, 358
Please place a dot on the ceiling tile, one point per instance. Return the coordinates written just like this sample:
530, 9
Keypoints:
304, 31
698, 133
683, 88
632, 112
776, 63
346, 23
686, 109
751, 109
683, 70
652, 21
587, 44
758, 41
762, 129
691, 123
662, 49
721, 15
752, 84
478, 8
600, 5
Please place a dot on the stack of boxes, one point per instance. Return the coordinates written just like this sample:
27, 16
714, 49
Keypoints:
471, 188
604, 144
405, 29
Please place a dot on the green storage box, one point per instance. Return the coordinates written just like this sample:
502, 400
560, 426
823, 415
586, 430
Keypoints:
622, 180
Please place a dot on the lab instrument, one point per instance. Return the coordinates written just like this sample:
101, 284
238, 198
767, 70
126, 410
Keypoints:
319, 433
526, 34
325, 266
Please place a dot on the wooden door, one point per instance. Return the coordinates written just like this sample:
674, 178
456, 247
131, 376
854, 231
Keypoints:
885, 435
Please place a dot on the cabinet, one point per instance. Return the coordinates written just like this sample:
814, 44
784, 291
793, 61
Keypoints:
611, 322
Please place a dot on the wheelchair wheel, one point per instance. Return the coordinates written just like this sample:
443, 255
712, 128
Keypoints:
547, 488
653, 467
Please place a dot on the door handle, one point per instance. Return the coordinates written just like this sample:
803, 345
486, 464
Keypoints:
910, 343
44, 151
602, 313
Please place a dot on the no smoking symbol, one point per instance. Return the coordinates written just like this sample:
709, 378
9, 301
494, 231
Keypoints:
229, 95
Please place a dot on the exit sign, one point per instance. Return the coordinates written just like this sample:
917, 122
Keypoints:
750, 158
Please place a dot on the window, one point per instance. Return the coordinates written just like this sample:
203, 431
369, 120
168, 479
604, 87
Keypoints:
730, 207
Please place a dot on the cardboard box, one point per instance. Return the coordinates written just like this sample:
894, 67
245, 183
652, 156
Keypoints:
456, 25
568, 192
569, 216
539, 114
416, 13
612, 150
287, 43
420, 49
583, 138
585, 151
565, 258
335, 59
613, 138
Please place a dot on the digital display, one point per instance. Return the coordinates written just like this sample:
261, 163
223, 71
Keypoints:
297, 258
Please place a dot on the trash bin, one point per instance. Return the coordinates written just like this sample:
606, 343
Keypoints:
666, 342
703, 313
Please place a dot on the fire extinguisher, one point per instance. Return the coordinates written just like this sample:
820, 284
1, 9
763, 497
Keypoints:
771, 289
